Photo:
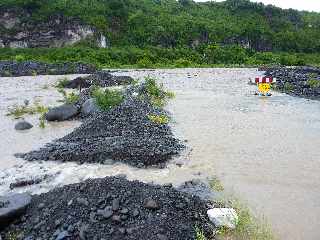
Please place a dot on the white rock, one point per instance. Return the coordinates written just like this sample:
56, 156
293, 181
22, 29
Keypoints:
223, 217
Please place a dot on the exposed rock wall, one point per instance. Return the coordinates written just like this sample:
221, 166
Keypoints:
57, 31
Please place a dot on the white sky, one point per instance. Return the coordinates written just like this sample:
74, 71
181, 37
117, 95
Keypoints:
309, 5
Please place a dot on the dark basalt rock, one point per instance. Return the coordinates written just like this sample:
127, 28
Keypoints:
31, 68
12, 207
295, 81
62, 113
72, 221
101, 79
23, 125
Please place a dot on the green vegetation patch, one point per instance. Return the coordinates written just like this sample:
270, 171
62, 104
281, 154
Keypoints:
199, 234
62, 83
106, 98
69, 98
216, 185
248, 227
288, 87
19, 111
156, 93
158, 119
312, 81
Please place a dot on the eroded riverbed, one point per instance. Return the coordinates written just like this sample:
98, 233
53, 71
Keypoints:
265, 150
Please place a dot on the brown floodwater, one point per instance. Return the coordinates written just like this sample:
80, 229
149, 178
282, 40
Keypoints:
264, 150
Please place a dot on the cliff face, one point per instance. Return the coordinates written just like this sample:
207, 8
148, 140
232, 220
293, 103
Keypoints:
17, 30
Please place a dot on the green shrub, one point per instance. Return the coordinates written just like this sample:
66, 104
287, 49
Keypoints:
156, 93
19, 58
145, 63
182, 63
107, 98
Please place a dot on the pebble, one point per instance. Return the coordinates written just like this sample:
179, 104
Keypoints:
151, 204
83, 201
115, 204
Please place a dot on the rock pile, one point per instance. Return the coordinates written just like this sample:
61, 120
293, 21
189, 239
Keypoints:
124, 133
299, 81
101, 79
113, 208
31, 68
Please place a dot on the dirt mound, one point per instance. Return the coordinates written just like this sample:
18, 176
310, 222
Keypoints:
113, 208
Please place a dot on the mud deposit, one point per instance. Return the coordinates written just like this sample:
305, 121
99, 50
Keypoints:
265, 150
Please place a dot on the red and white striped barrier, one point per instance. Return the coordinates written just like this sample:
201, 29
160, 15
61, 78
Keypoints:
265, 79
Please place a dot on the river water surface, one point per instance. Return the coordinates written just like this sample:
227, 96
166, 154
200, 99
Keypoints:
264, 150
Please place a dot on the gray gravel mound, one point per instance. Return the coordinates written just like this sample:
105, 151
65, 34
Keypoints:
298, 81
101, 79
31, 68
113, 208
123, 134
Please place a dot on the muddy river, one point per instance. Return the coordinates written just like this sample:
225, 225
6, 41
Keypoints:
264, 150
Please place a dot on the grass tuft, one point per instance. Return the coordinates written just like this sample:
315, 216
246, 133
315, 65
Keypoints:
248, 226
200, 235
156, 93
216, 185
314, 83
68, 98
107, 99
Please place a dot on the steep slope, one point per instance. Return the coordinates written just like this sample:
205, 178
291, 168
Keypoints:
170, 23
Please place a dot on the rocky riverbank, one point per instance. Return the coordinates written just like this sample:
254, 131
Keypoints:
32, 68
298, 81
113, 208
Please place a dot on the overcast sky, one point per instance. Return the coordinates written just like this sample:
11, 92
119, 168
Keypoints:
309, 5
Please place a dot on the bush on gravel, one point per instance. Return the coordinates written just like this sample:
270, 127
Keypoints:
107, 99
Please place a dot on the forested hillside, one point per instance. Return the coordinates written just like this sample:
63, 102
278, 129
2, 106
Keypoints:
202, 27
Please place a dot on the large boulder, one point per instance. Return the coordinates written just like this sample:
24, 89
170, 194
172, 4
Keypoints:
12, 207
23, 125
62, 113
89, 107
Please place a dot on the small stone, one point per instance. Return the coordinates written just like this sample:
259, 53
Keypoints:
23, 125
63, 235
105, 213
57, 222
151, 204
129, 230
71, 228
83, 201
83, 232
124, 210
115, 204
122, 230
41, 206
135, 213
161, 237
116, 218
